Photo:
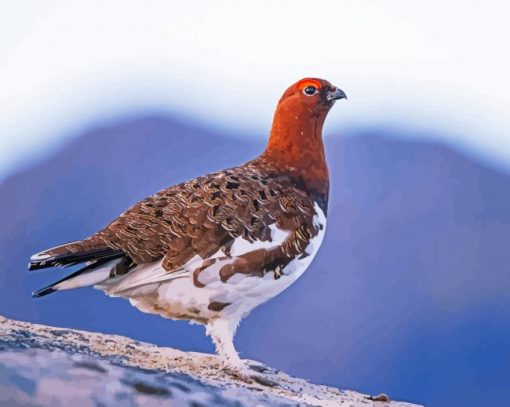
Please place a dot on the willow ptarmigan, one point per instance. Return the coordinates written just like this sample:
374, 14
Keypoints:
211, 249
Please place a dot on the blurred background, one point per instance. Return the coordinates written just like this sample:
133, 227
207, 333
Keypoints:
102, 104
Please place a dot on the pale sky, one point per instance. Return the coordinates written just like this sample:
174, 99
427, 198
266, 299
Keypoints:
65, 65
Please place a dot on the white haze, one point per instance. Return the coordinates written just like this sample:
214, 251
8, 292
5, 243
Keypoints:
436, 65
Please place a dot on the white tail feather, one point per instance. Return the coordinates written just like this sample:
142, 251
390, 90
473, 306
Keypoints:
88, 278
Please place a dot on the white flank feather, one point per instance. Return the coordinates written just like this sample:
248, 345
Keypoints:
141, 275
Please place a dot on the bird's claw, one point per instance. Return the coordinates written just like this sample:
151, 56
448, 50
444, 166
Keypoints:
380, 397
246, 375
264, 381
260, 368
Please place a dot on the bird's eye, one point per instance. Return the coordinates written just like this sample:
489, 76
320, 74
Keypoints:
310, 90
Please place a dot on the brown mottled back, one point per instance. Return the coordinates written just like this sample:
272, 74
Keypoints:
204, 215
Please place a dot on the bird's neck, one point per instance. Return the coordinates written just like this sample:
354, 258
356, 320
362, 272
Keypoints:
295, 146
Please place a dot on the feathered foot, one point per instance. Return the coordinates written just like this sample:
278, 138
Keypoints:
222, 334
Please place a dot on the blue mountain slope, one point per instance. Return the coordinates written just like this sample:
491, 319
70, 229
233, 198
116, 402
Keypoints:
409, 294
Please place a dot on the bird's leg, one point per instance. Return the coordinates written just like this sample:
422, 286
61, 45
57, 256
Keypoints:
222, 333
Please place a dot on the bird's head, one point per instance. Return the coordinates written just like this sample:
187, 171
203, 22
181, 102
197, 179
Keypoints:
301, 112
310, 95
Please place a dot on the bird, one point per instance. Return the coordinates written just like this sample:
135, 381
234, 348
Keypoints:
211, 249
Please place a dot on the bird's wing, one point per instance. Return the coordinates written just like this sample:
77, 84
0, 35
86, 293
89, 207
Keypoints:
253, 216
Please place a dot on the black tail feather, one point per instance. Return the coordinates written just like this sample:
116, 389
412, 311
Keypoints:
43, 291
50, 289
70, 259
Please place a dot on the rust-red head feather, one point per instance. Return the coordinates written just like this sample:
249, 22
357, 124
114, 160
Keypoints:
296, 143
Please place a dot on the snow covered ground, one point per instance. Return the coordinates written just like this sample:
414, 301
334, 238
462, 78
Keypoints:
42, 365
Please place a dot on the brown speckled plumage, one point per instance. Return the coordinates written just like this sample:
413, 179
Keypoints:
206, 214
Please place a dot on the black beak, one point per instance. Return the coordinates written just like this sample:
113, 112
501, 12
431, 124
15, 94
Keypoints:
335, 94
